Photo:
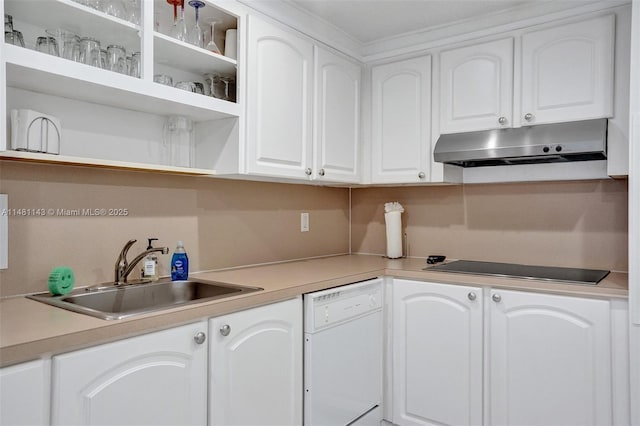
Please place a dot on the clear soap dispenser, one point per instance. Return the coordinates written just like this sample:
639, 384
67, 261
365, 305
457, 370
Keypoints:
150, 264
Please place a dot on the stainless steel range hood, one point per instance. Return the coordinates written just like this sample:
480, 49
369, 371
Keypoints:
547, 143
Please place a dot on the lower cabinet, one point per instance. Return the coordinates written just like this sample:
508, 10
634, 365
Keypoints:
437, 354
154, 379
24, 394
550, 360
256, 366
547, 358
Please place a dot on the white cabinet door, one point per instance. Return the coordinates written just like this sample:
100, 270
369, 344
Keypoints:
256, 366
279, 101
337, 118
550, 360
476, 87
401, 117
154, 379
437, 354
567, 72
24, 394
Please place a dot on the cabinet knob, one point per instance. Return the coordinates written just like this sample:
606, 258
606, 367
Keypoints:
225, 330
321, 172
471, 295
528, 116
496, 297
200, 337
421, 175
308, 171
502, 120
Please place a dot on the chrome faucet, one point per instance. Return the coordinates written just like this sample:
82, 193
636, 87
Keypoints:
123, 268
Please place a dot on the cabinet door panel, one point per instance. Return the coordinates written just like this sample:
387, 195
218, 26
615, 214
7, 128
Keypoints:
256, 369
476, 87
401, 121
437, 358
25, 394
550, 361
567, 72
279, 89
154, 379
337, 117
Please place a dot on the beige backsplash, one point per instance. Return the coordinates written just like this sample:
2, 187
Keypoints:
226, 223
223, 223
576, 224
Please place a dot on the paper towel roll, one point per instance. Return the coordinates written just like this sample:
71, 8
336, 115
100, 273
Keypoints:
394, 234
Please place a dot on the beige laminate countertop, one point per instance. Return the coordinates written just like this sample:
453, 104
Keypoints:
30, 329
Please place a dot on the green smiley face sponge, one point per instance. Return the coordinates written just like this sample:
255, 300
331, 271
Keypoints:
61, 280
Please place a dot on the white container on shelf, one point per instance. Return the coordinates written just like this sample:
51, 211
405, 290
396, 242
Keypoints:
231, 44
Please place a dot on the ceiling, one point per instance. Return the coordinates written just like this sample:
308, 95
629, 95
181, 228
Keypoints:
368, 21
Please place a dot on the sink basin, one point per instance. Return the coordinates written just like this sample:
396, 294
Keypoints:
122, 302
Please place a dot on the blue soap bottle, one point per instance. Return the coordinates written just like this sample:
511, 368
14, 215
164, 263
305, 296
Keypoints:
179, 263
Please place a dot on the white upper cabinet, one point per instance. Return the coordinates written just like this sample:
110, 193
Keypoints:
476, 87
279, 101
550, 360
337, 118
401, 117
567, 72
154, 379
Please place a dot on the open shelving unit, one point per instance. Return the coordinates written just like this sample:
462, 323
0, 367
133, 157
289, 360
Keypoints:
32, 79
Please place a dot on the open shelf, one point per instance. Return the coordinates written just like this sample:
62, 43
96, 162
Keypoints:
35, 71
75, 17
36, 157
178, 54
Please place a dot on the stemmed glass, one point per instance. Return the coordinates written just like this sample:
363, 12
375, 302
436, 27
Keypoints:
179, 28
211, 45
195, 35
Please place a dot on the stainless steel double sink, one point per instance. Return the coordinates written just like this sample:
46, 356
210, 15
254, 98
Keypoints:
118, 302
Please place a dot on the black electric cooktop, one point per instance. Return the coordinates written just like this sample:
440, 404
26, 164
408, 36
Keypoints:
546, 273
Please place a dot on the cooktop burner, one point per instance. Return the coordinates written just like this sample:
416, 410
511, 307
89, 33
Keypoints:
548, 273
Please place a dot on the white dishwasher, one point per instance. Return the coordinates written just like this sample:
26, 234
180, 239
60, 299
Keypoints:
343, 355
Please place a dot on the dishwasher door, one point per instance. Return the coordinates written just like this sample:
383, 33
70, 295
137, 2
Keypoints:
343, 354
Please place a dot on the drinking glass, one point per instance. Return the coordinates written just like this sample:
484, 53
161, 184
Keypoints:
179, 28
209, 78
133, 11
195, 35
211, 45
163, 79
189, 86
90, 51
68, 43
198, 88
8, 23
225, 88
114, 8
135, 68
104, 59
47, 45
116, 59
14, 37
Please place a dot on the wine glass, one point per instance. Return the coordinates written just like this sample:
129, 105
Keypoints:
211, 45
195, 35
179, 28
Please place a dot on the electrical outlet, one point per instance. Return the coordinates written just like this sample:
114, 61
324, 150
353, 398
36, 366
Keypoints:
304, 222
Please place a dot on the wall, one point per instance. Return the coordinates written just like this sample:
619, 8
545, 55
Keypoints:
223, 223
575, 224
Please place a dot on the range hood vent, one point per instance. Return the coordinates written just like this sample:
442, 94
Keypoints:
547, 143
